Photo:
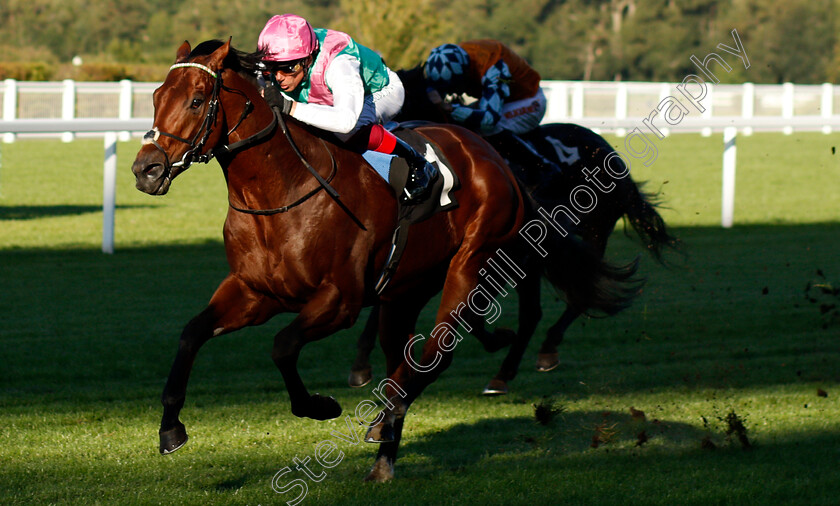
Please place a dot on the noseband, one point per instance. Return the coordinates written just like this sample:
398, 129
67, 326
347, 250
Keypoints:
196, 145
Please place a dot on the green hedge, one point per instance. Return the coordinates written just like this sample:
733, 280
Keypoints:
42, 71
29, 71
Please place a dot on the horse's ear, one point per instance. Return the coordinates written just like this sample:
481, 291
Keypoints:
218, 57
183, 52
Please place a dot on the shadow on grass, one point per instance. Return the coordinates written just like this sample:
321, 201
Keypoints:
450, 467
78, 321
569, 432
19, 213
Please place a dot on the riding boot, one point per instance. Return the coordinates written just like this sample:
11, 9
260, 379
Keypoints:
421, 173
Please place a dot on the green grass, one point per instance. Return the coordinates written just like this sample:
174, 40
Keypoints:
87, 339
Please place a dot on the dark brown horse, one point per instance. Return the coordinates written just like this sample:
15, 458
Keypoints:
293, 246
578, 151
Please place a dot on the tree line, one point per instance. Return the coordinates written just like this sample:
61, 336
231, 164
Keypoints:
630, 40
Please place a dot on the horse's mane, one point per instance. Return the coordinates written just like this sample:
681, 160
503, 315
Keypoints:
247, 66
244, 64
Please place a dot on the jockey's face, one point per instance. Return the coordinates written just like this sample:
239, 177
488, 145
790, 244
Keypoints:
290, 76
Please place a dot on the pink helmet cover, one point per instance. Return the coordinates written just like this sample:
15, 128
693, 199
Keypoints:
287, 37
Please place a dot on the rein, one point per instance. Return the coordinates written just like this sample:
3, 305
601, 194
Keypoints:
324, 183
196, 146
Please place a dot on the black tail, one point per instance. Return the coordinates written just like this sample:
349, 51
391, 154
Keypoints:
590, 284
641, 211
587, 282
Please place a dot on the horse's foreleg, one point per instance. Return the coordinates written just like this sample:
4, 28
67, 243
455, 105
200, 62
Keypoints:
287, 345
360, 372
231, 308
173, 435
320, 317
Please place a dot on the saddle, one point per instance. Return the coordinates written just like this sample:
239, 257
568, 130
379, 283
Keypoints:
440, 198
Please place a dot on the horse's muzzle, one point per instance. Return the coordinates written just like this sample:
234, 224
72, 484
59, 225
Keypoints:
151, 174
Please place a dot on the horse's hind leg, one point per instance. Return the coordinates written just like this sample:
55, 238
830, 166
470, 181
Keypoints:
548, 358
231, 308
396, 320
491, 341
360, 372
413, 376
530, 314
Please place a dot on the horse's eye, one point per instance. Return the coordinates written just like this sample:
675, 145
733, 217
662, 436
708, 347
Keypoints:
196, 103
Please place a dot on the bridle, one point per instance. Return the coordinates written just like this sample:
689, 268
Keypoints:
194, 154
196, 144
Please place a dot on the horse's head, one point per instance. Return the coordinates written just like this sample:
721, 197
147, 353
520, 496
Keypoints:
186, 121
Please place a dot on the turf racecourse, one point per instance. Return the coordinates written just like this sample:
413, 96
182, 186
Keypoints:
728, 336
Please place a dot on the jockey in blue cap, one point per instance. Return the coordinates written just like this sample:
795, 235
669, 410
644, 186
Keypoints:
508, 99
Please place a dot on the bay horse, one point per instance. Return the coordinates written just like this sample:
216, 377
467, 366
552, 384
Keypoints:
294, 245
574, 148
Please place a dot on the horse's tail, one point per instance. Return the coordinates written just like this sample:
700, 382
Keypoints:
641, 211
590, 284
586, 282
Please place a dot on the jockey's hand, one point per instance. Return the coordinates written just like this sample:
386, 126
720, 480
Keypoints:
434, 96
438, 101
276, 99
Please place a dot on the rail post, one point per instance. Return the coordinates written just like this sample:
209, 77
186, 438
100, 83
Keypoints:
9, 106
728, 192
109, 200
68, 106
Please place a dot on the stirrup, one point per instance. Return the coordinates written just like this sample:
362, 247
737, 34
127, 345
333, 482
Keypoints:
418, 184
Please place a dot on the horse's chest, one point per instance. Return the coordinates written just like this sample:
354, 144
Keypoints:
275, 264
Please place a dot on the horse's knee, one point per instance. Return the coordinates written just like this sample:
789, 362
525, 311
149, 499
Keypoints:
287, 345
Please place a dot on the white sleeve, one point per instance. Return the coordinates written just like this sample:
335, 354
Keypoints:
344, 78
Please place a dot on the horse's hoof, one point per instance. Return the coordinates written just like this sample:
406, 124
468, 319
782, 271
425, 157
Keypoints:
381, 471
173, 439
360, 378
495, 387
501, 338
324, 407
319, 408
547, 361
380, 433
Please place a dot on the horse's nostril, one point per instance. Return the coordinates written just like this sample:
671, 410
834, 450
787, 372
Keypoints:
153, 171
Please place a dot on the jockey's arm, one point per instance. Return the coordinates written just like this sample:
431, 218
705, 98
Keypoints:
345, 80
484, 115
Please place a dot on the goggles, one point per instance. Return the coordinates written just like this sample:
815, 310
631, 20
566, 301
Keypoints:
288, 67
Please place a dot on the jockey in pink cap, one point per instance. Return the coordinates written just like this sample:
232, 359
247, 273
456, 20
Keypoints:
327, 80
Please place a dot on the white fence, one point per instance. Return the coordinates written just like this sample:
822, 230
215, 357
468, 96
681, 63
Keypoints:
105, 127
575, 100
71, 100
567, 100
118, 110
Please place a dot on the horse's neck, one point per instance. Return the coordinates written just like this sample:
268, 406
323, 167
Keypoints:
266, 174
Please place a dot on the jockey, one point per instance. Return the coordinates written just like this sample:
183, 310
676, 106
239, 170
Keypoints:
509, 100
325, 79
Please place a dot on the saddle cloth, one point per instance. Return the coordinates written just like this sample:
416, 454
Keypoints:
441, 197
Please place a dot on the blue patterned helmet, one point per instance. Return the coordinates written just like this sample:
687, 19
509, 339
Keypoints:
446, 65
